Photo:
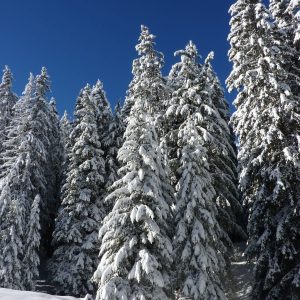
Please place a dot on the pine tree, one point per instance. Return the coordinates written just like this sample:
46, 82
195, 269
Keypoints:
135, 247
192, 119
53, 173
225, 181
267, 123
156, 59
44, 126
76, 230
11, 237
284, 32
23, 172
113, 141
31, 259
7, 100
104, 124
65, 129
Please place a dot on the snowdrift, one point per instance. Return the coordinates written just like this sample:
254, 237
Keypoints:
7, 294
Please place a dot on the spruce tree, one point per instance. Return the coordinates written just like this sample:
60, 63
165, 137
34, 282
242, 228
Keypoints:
65, 129
65, 132
113, 140
54, 172
25, 159
135, 247
284, 31
12, 224
267, 125
7, 100
192, 119
224, 162
104, 125
163, 92
31, 259
76, 229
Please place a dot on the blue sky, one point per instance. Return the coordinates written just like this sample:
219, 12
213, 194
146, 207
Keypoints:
80, 41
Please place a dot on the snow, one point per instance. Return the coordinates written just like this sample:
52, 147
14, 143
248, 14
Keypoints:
7, 294
239, 283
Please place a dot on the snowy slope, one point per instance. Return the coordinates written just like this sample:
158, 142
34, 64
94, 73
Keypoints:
6, 294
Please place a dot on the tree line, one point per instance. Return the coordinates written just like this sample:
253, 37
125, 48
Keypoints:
146, 201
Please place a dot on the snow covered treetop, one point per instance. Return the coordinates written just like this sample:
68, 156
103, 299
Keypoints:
188, 66
6, 78
151, 61
190, 51
43, 82
29, 88
146, 40
97, 91
210, 57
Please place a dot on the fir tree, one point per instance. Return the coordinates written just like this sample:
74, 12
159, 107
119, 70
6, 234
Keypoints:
135, 247
113, 141
54, 172
7, 100
11, 237
65, 132
65, 129
156, 60
284, 32
225, 181
25, 172
192, 119
104, 125
47, 157
31, 259
76, 229
267, 123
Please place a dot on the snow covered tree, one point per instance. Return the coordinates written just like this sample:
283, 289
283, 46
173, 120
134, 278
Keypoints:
267, 123
284, 32
7, 100
76, 229
66, 129
113, 141
156, 60
285, 14
192, 119
31, 259
11, 237
24, 173
53, 173
197, 252
106, 126
230, 212
243, 54
47, 156
135, 247
65, 132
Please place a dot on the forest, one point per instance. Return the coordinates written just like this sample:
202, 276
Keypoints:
153, 198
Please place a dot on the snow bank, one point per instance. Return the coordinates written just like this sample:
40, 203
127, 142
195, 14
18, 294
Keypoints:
6, 294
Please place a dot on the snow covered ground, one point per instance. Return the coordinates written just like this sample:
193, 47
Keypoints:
239, 287
6, 294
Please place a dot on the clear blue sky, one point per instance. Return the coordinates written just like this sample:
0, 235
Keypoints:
80, 41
